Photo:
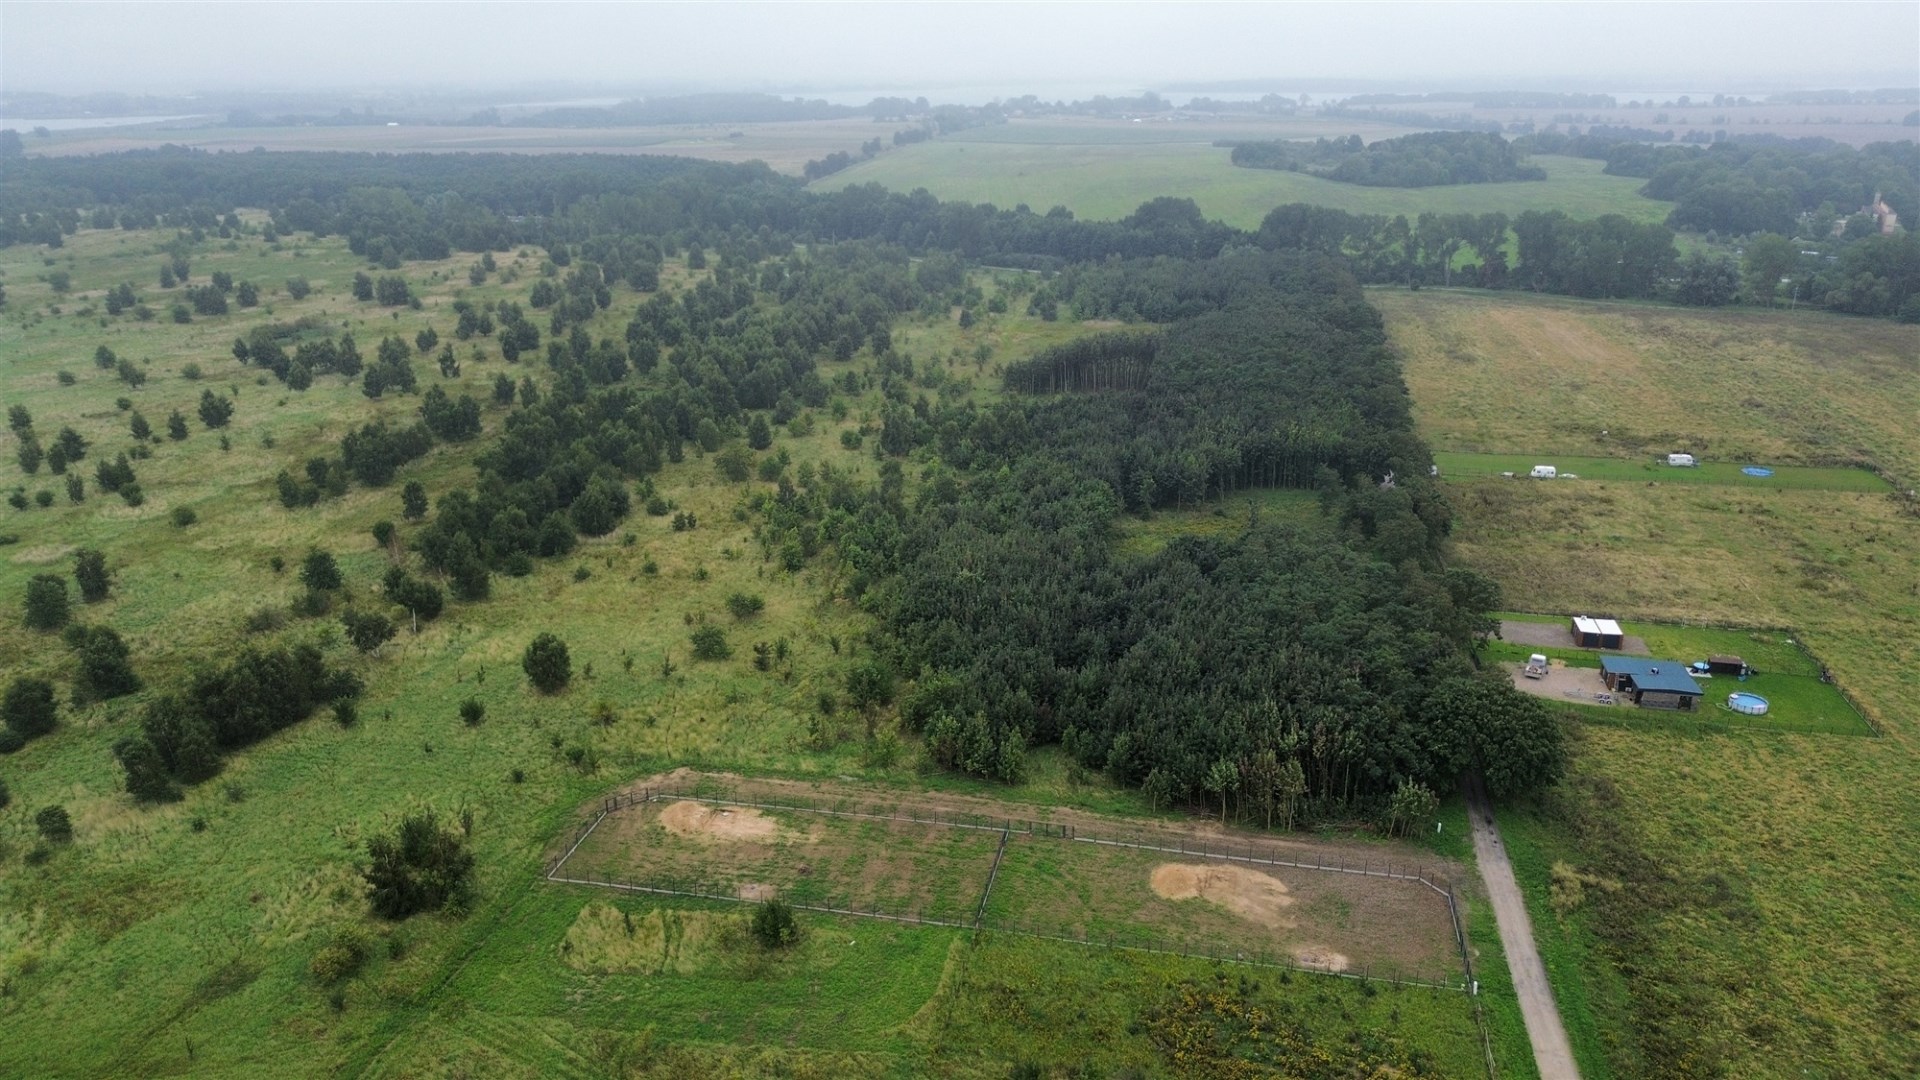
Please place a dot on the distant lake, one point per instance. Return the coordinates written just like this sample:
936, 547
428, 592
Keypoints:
81, 123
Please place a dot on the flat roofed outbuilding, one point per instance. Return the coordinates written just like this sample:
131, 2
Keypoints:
1597, 633
1653, 684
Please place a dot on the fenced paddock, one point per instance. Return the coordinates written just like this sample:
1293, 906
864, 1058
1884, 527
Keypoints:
1101, 882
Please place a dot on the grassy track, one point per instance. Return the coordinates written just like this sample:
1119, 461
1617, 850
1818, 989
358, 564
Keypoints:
1765, 909
1657, 471
1109, 178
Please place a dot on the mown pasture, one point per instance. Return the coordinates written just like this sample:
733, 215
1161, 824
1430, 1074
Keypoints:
1726, 904
1516, 373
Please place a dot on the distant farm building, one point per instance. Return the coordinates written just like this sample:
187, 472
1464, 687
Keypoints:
1652, 684
1597, 633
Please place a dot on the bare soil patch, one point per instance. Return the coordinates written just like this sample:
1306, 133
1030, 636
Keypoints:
1248, 893
1561, 683
1321, 958
719, 824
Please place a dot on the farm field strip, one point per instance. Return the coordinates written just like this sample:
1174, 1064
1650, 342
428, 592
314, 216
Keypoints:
1805, 477
1386, 917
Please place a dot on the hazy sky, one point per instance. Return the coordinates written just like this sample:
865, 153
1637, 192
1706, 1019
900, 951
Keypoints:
73, 45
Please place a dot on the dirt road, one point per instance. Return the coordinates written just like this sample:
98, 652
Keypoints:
1552, 1053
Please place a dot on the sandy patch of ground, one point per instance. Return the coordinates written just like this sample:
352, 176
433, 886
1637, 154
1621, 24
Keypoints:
718, 824
1562, 683
1250, 894
1320, 958
757, 890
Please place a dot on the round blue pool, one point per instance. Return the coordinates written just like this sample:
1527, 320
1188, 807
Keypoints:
1757, 470
1751, 704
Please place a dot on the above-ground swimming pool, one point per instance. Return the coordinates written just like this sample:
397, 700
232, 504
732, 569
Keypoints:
1751, 704
1757, 470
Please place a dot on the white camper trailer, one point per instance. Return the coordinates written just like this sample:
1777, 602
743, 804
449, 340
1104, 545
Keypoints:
1544, 472
1685, 460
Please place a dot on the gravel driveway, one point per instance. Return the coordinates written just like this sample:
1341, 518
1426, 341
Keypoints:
1560, 636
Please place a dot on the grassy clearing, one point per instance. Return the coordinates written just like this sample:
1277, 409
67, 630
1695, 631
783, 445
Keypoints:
1767, 912
853, 998
1100, 175
1622, 380
1652, 471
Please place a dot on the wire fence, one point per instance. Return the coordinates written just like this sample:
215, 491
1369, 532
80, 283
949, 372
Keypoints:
1385, 867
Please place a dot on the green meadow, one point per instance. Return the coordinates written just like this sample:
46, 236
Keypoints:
1710, 902
1103, 175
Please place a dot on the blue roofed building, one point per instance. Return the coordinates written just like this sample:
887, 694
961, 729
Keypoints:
1652, 684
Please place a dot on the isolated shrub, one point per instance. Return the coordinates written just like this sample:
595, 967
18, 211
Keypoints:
184, 516
759, 434
55, 826
383, 533
734, 463
774, 926
90, 571
28, 708
743, 605
104, 670
319, 572
472, 712
340, 958
421, 866
298, 288
47, 607
367, 631
710, 643
547, 664
176, 426
216, 410
413, 499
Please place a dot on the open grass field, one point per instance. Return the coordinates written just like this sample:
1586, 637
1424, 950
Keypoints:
1752, 904
1656, 471
1106, 175
1518, 374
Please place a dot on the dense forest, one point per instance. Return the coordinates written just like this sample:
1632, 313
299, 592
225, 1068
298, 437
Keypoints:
1427, 159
